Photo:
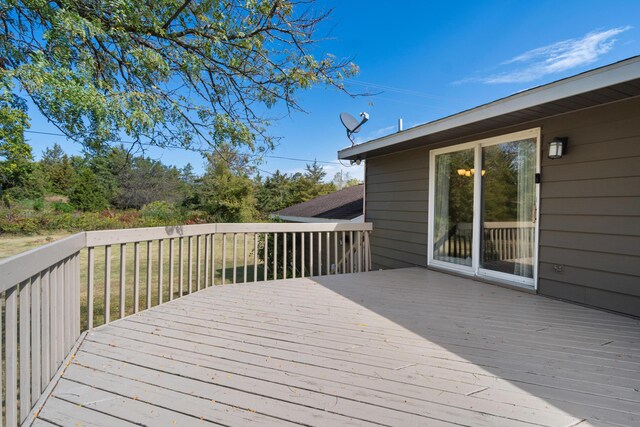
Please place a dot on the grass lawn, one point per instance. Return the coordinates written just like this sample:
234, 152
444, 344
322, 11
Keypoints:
149, 286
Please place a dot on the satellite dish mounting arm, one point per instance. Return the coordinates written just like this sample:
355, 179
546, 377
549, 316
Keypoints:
351, 131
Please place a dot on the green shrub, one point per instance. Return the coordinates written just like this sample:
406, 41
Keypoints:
88, 194
63, 207
161, 212
38, 205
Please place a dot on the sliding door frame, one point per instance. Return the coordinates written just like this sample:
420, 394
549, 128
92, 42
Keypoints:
475, 269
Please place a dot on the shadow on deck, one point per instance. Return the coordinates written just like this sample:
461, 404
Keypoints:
398, 347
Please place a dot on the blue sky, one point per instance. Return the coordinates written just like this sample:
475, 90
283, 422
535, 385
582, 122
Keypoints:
425, 60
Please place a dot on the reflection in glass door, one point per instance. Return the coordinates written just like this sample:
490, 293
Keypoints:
508, 211
453, 220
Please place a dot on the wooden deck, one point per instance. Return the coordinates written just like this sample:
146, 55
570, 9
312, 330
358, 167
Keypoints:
400, 347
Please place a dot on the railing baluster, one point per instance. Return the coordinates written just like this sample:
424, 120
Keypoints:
198, 265
171, 269
311, 254
266, 257
293, 250
235, 244
53, 319
303, 254
351, 251
206, 260
181, 267
91, 260
36, 343
359, 233
284, 255
367, 254
76, 297
275, 256
319, 253
66, 330
328, 253
335, 252
255, 257
61, 315
149, 271
46, 322
344, 254
25, 350
224, 258
213, 259
303, 260
123, 278
107, 283
160, 269
190, 264
244, 262
11, 357
136, 277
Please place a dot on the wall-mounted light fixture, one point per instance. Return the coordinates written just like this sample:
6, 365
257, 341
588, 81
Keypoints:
356, 162
557, 148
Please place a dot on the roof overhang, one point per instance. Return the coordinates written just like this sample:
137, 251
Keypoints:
307, 219
604, 85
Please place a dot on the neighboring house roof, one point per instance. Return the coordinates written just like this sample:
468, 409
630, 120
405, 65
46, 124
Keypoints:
343, 205
610, 83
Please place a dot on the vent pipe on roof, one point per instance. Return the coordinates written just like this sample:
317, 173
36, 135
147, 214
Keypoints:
400, 125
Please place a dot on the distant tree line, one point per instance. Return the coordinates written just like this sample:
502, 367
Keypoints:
114, 180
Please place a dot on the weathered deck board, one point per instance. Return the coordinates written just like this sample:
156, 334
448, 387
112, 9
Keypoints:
402, 347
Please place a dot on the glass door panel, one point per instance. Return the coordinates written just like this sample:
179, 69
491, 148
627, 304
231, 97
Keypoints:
508, 207
453, 207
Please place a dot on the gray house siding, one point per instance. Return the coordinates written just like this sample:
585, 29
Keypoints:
396, 202
589, 207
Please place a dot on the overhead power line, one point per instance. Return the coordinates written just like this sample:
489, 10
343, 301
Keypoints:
268, 156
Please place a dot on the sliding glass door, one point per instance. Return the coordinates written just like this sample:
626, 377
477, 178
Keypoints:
453, 223
483, 207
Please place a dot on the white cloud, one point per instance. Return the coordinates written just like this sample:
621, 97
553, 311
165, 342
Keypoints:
355, 171
555, 58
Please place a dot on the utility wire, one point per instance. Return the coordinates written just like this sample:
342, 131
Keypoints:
261, 170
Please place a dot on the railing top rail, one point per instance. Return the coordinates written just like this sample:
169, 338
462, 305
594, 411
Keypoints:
509, 224
18, 268
113, 237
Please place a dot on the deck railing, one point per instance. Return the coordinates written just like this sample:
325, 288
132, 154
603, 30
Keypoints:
502, 241
52, 293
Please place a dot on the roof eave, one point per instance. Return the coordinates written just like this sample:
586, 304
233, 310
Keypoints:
598, 78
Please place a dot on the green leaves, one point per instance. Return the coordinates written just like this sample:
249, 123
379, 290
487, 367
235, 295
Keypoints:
15, 153
192, 74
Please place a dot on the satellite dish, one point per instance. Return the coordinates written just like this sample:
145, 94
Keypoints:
352, 124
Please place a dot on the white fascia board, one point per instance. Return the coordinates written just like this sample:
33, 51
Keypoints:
599, 78
307, 219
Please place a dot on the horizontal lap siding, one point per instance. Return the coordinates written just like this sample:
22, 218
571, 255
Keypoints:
396, 204
590, 209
